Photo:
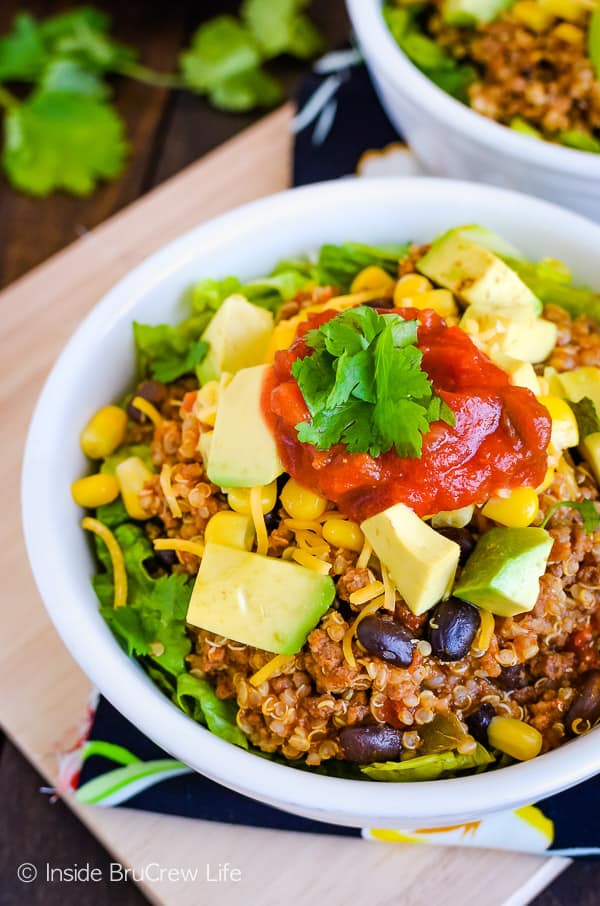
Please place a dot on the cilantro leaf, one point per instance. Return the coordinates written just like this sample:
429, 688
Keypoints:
22, 52
82, 34
62, 140
586, 415
152, 623
66, 75
280, 28
364, 386
245, 90
586, 508
220, 49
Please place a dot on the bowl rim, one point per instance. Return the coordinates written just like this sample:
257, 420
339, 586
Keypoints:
124, 683
372, 32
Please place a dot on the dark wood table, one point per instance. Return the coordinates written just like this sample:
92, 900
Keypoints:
167, 131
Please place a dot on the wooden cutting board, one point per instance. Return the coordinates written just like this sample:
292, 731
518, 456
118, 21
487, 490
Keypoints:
42, 709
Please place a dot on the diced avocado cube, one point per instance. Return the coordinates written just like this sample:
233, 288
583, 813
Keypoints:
580, 382
466, 13
260, 601
528, 339
238, 336
502, 574
590, 450
421, 562
478, 276
204, 445
242, 451
521, 373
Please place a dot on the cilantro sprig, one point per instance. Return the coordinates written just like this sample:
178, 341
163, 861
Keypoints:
586, 508
66, 134
364, 386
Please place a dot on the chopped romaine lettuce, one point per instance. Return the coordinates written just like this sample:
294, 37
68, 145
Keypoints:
198, 699
427, 767
338, 265
548, 283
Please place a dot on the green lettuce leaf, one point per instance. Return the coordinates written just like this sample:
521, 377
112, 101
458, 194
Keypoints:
197, 698
142, 451
581, 141
550, 285
428, 767
338, 265
586, 415
167, 352
112, 514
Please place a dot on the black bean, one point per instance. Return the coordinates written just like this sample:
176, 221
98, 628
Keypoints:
452, 628
166, 559
384, 302
462, 537
516, 677
366, 744
271, 519
479, 721
585, 708
386, 639
153, 391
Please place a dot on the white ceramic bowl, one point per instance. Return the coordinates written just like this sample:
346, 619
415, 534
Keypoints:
450, 139
96, 367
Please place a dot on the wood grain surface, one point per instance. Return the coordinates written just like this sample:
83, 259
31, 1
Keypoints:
42, 692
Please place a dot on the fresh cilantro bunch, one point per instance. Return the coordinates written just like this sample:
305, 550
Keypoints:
364, 385
66, 135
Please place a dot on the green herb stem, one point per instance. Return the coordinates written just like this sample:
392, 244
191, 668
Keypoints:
150, 76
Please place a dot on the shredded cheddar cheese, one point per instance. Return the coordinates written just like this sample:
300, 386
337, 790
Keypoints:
482, 640
148, 409
367, 610
179, 544
311, 562
267, 670
364, 556
389, 590
256, 511
167, 489
367, 593
116, 558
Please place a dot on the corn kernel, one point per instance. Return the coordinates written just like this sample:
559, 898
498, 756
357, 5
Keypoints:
518, 510
231, 529
132, 474
301, 502
565, 432
569, 33
548, 479
239, 498
95, 490
531, 14
453, 518
104, 432
282, 337
440, 300
514, 737
410, 285
373, 277
571, 10
344, 533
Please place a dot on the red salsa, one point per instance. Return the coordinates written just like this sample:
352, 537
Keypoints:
498, 442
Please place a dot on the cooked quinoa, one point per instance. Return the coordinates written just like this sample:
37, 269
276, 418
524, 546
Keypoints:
529, 669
